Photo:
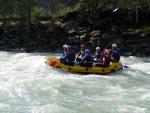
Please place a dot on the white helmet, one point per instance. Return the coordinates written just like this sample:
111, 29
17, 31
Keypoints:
97, 47
65, 45
107, 51
114, 45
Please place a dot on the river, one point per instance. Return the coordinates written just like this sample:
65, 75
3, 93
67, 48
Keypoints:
28, 85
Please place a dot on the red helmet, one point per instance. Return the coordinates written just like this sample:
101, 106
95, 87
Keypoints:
83, 46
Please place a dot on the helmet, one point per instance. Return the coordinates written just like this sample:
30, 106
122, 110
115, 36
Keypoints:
97, 47
87, 51
83, 46
114, 45
65, 45
107, 51
68, 47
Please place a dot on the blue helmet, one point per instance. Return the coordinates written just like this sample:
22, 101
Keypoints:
87, 51
68, 47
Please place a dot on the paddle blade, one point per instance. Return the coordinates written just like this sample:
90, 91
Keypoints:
76, 62
125, 66
53, 63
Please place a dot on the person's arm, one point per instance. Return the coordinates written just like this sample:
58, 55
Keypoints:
64, 53
78, 54
66, 56
101, 57
84, 58
107, 57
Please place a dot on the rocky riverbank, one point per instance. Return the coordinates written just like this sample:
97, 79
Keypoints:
42, 39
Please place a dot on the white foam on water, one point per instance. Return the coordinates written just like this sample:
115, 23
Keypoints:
29, 85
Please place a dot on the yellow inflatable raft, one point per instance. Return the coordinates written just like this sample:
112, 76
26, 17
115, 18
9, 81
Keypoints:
51, 60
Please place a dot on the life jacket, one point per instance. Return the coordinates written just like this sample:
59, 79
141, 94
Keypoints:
116, 54
103, 52
72, 55
107, 60
98, 55
90, 59
89, 62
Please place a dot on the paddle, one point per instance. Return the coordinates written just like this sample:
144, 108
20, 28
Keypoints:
125, 66
76, 62
53, 63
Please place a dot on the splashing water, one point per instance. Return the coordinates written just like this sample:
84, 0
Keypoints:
28, 85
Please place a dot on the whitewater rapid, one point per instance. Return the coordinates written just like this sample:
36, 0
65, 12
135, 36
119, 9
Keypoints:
28, 85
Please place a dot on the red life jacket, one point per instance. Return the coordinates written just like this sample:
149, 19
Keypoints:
72, 56
107, 60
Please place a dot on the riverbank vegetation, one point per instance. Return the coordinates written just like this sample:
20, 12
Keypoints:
45, 25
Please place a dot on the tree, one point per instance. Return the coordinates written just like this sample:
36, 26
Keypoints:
6, 10
25, 9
